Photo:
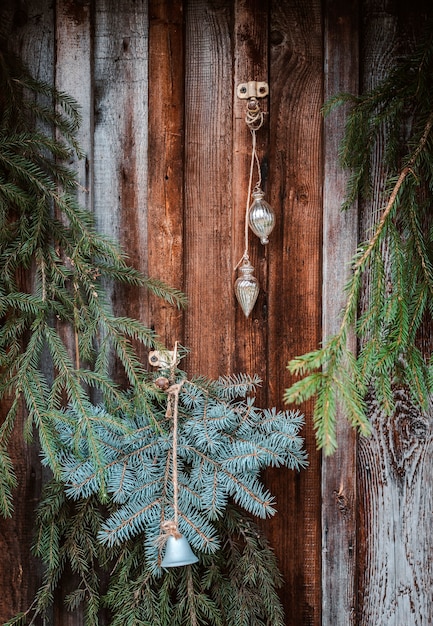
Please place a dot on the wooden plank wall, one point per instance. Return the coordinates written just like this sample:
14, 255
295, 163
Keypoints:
20, 573
395, 470
339, 495
295, 172
166, 172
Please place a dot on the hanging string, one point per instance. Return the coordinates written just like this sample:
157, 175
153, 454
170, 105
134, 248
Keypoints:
171, 527
254, 121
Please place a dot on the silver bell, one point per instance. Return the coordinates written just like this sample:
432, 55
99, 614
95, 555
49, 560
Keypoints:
178, 552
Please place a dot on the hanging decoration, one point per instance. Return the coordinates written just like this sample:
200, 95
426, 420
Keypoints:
259, 215
172, 468
246, 286
177, 549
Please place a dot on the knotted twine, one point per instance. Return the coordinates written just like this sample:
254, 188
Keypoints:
170, 528
254, 121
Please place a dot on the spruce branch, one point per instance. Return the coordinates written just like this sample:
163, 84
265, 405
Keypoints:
237, 584
53, 268
399, 293
360, 263
222, 445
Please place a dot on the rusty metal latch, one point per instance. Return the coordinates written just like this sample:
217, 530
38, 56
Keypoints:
253, 89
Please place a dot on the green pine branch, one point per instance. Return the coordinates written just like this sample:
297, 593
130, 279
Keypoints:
393, 268
100, 514
238, 584
224, 441
58, 336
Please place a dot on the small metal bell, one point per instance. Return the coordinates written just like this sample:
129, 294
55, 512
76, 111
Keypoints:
261, 216
178, 552
246, 287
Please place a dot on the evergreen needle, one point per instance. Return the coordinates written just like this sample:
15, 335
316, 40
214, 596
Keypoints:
399, 294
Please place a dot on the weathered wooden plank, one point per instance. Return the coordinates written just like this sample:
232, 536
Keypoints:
73, 75
395, 476
32, 38
120, 136
339, 244
251, 62
395, 470
166, 169
295, 171
209, 327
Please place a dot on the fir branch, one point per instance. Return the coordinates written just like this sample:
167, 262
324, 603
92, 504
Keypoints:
399, 295
238, 385
46, 233
360, 263
240, 580
222, 447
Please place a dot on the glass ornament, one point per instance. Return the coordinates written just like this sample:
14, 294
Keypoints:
246, 287
261, 216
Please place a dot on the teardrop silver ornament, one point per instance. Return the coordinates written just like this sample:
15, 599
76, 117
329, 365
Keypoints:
261, 216
246, 287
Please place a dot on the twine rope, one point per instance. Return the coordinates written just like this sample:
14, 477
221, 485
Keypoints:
254, 120
170, 528
172, 412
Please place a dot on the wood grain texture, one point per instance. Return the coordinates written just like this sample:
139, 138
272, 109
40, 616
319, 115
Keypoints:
395, 468
295, 170
32, 38
74, 76
165, 214
339, 498
166, 172
209, 327
120, 137
251, 62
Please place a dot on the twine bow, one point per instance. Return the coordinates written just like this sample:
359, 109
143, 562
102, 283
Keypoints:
168, 529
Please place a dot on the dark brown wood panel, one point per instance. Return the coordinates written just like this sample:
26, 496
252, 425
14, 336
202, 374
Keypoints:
209, 327
165, 211
20, 572
295, 171
32, 37
251, 62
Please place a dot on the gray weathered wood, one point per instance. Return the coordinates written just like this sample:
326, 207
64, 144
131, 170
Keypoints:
395, 470
120, 136
74, 76
339, 498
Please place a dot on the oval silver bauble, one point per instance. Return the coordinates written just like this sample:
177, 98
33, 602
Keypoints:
261, 216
